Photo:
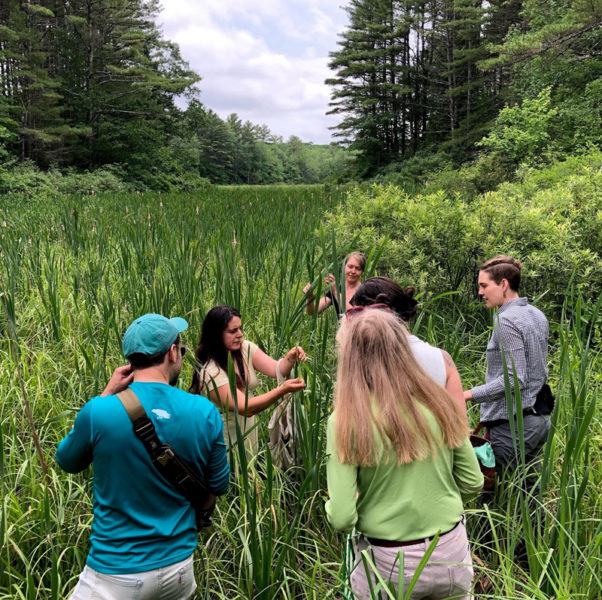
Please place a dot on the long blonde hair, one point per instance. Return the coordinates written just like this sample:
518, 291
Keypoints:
381, 387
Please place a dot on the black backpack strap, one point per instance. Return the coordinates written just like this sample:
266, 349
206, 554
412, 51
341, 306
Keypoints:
182, 476
143, 427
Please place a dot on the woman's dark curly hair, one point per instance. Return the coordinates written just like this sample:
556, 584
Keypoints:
383, 290
211, 346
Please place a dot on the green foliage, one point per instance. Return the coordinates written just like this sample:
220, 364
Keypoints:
26, 179
75, 271
7, 129
484, 174
436, 240
415, 172
523, 133
556, 83
233, 152
538, 131
407, 77
89, 83
414, 77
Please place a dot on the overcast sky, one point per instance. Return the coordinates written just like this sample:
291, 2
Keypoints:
265, 60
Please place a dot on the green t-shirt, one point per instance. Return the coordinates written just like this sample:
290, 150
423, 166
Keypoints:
407, 502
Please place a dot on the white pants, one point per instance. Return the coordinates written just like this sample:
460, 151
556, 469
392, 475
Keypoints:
173, 582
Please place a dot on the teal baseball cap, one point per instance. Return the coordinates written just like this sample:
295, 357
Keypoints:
152, 334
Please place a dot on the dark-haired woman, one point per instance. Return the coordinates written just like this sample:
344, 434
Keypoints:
435, 361
355, 264
399, 464
222, 336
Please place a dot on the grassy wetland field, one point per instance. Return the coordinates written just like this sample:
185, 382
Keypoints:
75, 271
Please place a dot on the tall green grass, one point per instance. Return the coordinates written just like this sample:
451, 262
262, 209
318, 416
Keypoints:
74, 273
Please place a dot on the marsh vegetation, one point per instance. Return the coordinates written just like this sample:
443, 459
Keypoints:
74, 271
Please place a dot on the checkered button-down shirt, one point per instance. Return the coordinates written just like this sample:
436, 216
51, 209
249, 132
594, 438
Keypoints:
522, 331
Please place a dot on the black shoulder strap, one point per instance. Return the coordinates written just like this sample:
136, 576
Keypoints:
131, 404
183, 477
143, 427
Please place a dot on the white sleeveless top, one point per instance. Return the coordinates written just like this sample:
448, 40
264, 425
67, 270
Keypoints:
429, 358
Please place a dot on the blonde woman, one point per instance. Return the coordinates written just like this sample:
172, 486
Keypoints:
436, 362
400, 462
355, 264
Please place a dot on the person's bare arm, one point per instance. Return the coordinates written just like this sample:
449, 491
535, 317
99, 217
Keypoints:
453, 383
267, 365
310, 303
251, 405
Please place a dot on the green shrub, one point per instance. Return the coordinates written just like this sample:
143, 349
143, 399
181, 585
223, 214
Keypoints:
551, 220
26, 179
484, 175
552, 124
523, 133
415, 172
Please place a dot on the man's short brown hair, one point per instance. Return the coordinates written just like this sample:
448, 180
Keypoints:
503, 267
144, 361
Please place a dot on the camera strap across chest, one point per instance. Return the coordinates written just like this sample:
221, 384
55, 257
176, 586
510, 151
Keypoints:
182, 476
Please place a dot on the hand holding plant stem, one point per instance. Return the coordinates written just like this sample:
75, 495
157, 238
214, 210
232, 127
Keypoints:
290, 386
330, 281
295, 354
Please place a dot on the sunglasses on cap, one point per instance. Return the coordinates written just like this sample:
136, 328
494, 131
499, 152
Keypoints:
354, 311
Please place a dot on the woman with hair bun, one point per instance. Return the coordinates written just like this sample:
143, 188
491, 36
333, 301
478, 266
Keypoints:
400, 463
435, 361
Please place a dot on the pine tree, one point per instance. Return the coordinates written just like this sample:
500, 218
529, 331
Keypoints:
91, 81
369, 85
28, 82
120, 78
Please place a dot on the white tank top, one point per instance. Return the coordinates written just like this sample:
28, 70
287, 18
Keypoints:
429, 358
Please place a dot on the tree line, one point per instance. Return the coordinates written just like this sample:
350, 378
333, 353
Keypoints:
90, 83
432, 76
420, 85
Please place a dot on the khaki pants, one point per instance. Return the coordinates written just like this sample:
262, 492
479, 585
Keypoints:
448, 574
174, 582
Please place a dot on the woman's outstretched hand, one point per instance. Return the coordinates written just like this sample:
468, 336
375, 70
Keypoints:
330, 281
290, 386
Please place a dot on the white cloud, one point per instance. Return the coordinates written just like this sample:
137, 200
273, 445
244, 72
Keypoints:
265, 60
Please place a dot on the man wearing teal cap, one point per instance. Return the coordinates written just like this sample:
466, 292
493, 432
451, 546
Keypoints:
144, 531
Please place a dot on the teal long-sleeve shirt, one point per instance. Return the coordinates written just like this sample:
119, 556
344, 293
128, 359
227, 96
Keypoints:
407, 502
140, 521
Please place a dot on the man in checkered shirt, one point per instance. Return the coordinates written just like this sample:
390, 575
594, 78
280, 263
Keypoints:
521, 330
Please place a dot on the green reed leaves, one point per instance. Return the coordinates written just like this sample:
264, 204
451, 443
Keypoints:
74, 273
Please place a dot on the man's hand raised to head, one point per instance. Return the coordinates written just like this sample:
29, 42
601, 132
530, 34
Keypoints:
121, 378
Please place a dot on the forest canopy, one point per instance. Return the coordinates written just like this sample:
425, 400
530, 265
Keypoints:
420, 86
425, 77
91, 84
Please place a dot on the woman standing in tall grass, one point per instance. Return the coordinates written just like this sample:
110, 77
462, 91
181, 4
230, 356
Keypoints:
400, 462
222, 337
355, 264
436, 362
